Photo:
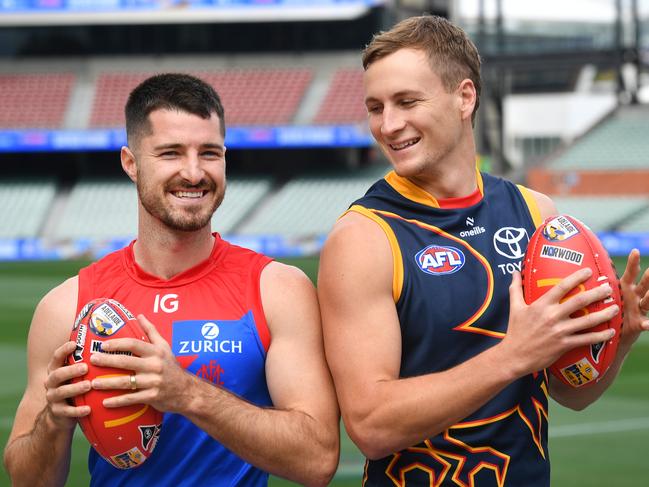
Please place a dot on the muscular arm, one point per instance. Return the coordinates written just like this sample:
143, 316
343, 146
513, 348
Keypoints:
38, 449
298, 438
383, 412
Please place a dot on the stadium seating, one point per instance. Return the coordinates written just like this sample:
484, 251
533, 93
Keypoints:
242, 197
620, 142
602, 213
34, 100
250, 96
343, 102
639, 222
99, 210
306, 207
24, 206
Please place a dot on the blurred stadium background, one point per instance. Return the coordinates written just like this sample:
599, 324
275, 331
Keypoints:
564, 110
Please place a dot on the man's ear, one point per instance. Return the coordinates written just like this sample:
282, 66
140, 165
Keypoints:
128, 163
467, 98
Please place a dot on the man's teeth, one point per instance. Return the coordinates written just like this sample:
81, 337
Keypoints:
403, 145
188, 194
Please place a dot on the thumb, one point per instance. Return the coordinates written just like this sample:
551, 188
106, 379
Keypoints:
150, 329
516, 289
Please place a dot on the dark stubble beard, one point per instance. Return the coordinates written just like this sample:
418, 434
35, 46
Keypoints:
184, 220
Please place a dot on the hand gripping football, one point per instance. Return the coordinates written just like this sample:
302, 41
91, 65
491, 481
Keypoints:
124, 436
559, 247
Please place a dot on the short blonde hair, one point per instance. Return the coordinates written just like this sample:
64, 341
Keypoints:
450, 51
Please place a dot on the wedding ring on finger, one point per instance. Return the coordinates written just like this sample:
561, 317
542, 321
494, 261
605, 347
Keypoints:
133, 382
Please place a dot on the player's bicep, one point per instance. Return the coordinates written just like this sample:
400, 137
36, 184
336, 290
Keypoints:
296, 371
50, 328
544, 203
361, 327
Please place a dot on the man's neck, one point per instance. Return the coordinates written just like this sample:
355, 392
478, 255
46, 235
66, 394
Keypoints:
454, 177
166, 253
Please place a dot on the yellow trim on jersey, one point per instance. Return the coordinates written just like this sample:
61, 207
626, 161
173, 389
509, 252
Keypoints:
532, 205
479, 180
126, 419
410, 190
397, 261
536, 434
466, 325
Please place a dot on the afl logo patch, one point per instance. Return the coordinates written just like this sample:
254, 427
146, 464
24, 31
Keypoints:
439, 260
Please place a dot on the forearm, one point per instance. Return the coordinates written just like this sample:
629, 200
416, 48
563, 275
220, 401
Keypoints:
580, 398
399, 413
289, 444
40, 457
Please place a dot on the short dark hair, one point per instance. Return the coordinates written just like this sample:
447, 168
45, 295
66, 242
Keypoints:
450, 51
170, 91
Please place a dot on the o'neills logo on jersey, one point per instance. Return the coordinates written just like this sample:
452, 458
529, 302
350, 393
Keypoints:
199, 337
474, 231
440, 260
562, 254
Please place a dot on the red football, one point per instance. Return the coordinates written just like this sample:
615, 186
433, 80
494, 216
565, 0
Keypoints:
559, 247
124, 436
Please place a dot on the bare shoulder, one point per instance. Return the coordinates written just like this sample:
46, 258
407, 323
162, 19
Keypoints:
352, 229
288, 298
546, 205
357, 248
62, 299
54, 315
281, 282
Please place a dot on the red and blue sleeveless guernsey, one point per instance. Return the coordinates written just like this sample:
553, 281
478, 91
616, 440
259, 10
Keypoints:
212, 317
453, 260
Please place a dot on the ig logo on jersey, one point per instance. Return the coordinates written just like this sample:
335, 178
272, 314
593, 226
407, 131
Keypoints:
439, 260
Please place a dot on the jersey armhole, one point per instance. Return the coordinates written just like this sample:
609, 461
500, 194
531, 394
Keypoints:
254, 291
397, 260
85, 287
532, 205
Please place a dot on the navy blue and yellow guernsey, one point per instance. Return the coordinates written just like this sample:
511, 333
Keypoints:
453, 261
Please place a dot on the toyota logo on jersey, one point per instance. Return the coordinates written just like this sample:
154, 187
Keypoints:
439, 260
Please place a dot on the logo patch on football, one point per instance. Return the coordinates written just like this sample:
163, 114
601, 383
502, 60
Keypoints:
105, 321
129, 459
559, 229
572, 246
440, 260
124, 436
562, 254
580, 373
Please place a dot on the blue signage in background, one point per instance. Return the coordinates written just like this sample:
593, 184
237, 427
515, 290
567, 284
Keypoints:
273, 137
617, 244
113, 5
58, 12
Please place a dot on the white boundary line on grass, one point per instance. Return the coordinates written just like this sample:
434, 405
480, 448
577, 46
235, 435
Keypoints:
595, 428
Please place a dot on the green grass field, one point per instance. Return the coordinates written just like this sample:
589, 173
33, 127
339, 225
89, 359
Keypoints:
606, 445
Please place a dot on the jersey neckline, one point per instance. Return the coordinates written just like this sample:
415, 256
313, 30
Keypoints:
190, 275
411, 191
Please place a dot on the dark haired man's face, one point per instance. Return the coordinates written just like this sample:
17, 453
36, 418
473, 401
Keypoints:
181, 169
